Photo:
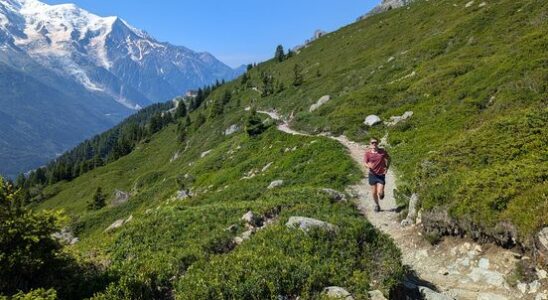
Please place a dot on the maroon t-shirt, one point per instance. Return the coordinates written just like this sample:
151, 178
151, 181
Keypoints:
378, 159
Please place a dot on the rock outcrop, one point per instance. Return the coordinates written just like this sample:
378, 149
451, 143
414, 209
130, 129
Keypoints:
120, 197
307, 224
336, 292
275, 184
323, 100
372, 120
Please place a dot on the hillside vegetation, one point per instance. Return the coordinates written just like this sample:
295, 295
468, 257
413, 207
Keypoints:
474, 150
473, 73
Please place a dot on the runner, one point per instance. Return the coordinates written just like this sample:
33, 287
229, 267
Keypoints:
377, 161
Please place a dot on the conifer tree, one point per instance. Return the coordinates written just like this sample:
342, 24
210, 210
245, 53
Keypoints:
298, 78
279, 55
98, 201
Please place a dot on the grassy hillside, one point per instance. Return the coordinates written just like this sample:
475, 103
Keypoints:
182, 248
475, 149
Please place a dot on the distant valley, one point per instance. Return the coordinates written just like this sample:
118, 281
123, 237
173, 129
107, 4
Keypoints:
67, 74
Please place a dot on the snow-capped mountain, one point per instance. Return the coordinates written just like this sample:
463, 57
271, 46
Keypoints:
105, 55
66, 74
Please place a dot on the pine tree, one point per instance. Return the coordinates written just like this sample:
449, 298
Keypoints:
279, 55
181, 110
254, 125
98, 201
298, 78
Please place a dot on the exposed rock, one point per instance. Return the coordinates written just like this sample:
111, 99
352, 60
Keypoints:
232, 228
543, 239
275, 184
65, 236
175, 156
183, 194
484, 263
542, 274
205, 153
429, 294
391, 58
232, 129
396, 119
412, 211
118, 223
306, 224
376, 295
386, 5
482, 4
251, 219
319, 103
522, 287
372, 120
335, 292
266, 167
469, 4
534, 287
120, 197
490, 296
542, 296
334, 195
490, 277
248, 108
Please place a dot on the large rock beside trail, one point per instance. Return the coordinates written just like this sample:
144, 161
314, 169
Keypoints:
429, 294
120, 197
372, 120
412, 214
376, 295
306, 224
323, 100
543, 239
336, 292
396, 119
334, 195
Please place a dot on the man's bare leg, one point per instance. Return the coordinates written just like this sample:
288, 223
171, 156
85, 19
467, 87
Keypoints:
375, 196
380, 190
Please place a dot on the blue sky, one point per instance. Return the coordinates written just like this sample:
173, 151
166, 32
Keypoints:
237, 31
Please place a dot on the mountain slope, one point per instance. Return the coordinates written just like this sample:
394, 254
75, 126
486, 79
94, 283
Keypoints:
474, 151
102, 69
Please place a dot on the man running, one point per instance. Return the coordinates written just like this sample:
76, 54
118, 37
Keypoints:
377, 161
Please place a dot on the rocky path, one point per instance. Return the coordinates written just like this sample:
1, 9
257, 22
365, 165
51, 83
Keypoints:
456, 268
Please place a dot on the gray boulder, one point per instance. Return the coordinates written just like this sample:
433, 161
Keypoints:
275, 184
120, 197
183, 194
251, 219
306, 224
118, 223
232, 129
429, 294
336, 292
323, 100
543, 239
396, 119
334, 195
412, 214
65, 236
376, 295
372, 120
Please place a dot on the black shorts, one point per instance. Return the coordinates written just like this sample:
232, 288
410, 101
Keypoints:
375, 179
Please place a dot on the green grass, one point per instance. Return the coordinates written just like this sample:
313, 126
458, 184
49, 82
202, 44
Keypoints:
478, 93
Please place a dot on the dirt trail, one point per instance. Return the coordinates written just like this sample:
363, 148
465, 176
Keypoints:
458, 269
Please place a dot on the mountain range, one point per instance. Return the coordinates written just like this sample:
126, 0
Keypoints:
66, 74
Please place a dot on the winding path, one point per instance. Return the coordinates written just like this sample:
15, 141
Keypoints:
458, 269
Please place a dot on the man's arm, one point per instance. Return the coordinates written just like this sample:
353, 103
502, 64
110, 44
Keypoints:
387, 160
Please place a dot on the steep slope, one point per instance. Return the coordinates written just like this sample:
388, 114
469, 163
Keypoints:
97, 70
474, 76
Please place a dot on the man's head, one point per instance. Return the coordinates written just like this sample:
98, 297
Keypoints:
374, 143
